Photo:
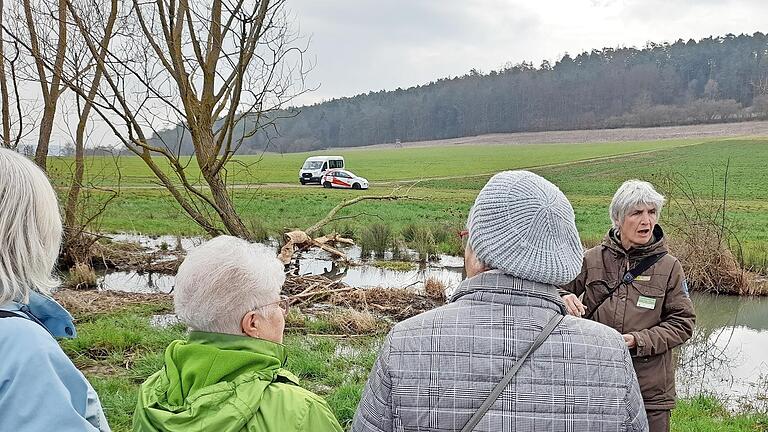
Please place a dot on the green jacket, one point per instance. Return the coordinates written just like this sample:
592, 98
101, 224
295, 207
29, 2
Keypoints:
226, 383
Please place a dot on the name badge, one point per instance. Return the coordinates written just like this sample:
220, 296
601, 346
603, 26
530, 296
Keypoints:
642, 278
646, 302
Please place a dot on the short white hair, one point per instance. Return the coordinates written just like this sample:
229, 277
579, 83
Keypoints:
631, 194
223, 279
30, 229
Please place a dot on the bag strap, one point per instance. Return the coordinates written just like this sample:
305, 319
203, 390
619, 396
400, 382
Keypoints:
478, 415
629, 276
642, 266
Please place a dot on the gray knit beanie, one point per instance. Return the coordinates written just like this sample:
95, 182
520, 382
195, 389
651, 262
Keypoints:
524, 226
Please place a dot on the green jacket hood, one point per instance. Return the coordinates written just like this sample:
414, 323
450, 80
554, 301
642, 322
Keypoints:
212, 381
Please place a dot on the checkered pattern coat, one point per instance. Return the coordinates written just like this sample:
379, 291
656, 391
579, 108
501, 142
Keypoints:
435, 369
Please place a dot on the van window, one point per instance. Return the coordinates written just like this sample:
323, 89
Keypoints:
312, 165
325, 166
336, 163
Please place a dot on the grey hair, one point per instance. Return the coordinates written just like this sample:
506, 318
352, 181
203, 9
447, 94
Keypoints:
630, 195
223, 279
30, 229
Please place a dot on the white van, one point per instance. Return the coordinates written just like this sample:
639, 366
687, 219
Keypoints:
314, 168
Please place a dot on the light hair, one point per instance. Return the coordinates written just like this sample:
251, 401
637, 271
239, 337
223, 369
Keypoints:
223, 279
631, 194
30, 229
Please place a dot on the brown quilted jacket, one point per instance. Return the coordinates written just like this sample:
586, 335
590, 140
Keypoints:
655, 308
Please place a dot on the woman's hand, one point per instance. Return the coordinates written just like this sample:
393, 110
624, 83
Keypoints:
573, 305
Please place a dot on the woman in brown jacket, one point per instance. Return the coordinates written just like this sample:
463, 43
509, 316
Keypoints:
651, 308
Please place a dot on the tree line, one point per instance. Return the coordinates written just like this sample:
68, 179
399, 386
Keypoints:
715, 79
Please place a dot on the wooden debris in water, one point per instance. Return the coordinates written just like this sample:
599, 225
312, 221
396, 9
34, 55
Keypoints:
298, 240
397, 303
81, 303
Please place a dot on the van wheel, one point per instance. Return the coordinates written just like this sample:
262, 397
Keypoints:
327, 185
302, 182
355, 185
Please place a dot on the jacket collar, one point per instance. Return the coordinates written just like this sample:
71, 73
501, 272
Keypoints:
658, 244
47, 312
207, 359
495, 286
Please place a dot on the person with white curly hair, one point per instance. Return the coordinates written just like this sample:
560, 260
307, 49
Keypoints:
229, 374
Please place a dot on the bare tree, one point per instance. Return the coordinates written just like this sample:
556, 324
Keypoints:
215, 67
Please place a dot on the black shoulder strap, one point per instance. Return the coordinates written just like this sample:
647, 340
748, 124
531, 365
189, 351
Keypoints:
629, 277
642, 266
7, 314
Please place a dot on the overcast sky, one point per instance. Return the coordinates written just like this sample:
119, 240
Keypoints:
363, 45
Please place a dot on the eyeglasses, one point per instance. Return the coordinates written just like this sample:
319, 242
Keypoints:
464, 236
283, 304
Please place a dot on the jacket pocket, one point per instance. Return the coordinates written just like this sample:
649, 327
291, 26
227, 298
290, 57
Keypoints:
649, 289
644, 306
652, 376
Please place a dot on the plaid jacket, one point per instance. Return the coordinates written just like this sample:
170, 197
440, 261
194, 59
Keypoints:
435, 369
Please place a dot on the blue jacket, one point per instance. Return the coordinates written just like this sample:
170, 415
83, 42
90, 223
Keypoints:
40, 388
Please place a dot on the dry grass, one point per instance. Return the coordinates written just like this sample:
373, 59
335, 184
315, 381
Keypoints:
435, 289
351, 321
81, 276
91, 302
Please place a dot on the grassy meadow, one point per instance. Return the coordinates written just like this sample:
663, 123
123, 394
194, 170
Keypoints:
376, 165
443, 182
117, 349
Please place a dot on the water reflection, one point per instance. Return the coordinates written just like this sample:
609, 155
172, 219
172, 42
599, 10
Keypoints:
152, 283
728, 354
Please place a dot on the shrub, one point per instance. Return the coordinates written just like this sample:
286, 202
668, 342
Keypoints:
375, 238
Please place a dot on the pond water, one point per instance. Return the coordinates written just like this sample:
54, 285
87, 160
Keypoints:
727, 356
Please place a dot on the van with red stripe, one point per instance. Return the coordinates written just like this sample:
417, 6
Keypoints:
340, 178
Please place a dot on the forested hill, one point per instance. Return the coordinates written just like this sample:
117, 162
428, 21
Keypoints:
711, 80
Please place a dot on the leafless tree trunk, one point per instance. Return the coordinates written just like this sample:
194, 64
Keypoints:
50, 90
4, 100
73, 244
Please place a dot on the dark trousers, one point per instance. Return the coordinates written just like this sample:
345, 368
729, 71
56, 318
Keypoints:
658, 420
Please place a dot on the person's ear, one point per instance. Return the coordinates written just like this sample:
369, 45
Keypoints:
250, 324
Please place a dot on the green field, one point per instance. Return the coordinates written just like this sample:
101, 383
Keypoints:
587, 173
374, 164
117, 350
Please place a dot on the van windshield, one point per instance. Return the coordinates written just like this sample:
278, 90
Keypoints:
312, 165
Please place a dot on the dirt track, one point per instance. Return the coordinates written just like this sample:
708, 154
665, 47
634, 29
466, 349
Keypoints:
744, 129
